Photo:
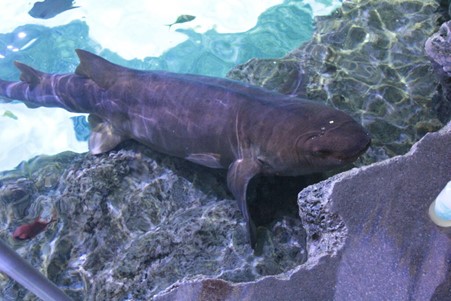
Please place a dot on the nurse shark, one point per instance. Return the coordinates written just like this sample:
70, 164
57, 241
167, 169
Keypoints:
215, 122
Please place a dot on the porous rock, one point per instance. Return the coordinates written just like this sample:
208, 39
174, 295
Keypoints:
369, 237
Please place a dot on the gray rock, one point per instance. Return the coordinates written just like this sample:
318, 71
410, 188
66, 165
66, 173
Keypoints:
438, 48
369, 237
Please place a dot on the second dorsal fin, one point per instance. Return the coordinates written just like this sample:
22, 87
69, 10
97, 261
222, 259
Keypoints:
29, 75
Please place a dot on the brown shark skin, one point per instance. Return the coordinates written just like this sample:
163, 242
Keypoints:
215, 122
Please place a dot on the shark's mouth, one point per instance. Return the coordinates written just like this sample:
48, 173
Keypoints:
348, 158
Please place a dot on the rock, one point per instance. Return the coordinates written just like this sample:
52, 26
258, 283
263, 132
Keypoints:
369, 237
132, 222
437, 48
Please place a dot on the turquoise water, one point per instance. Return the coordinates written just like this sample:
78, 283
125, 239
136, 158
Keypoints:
279, 30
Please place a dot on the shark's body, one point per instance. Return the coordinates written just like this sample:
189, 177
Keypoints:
215, 122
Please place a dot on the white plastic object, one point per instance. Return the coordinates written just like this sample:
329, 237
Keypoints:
440, 209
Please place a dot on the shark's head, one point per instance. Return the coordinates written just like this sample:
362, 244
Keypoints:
316, 138
334, 139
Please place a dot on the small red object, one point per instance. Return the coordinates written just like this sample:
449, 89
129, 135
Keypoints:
28, 231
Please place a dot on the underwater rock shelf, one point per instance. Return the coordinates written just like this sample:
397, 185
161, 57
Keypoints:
369, 237
133, 222
438, 49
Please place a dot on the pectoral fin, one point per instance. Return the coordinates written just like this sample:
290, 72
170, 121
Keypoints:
103, 136
238, 177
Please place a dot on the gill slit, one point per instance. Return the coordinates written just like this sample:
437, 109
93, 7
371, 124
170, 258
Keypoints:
237, 135
301, 157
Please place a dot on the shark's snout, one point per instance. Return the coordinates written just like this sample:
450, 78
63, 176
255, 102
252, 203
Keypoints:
340, 144
349, 141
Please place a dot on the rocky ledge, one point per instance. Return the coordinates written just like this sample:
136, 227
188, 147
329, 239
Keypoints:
133, 222
369, 237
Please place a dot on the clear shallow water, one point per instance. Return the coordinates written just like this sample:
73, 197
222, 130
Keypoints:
223, 35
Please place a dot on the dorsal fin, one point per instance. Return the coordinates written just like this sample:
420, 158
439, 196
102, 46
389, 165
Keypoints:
101, 71
29, 75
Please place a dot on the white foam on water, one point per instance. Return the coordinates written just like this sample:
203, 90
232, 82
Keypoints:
137, 29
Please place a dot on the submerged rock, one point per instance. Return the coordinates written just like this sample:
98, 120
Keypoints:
132, 222
50, 8
368, 60
438, 47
